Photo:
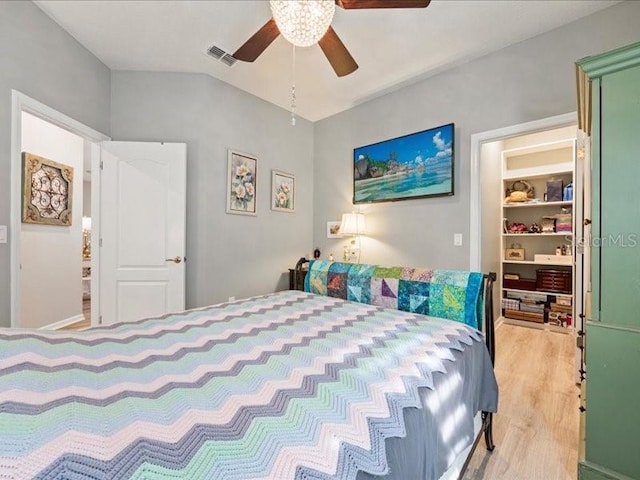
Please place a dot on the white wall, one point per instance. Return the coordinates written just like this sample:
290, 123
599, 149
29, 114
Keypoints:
44, 62
227, 255
51, 255
528, 81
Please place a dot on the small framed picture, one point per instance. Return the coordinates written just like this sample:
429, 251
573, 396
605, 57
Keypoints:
242, 174
333, 229
283, 191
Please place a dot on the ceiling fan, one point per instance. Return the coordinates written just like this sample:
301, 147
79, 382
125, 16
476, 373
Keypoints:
324, 35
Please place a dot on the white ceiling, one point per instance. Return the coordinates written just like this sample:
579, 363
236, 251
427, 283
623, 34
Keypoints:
393, 47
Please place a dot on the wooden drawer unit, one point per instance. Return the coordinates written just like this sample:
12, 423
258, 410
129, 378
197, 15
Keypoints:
520, 284
553, 280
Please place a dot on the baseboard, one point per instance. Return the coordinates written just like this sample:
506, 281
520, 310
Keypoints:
591, 471
63, 323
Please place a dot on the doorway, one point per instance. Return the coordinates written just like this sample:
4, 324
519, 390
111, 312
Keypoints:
488, 213
138, 219
82, 148
50, 253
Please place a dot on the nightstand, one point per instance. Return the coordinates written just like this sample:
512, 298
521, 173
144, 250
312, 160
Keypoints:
298, 274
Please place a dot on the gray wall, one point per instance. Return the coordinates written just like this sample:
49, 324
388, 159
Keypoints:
227, 254
42, 61
236, 255
528, 81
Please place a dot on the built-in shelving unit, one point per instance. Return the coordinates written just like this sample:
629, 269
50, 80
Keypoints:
537, 284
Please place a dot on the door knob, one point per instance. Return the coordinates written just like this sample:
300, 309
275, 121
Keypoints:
176, 259
587, 222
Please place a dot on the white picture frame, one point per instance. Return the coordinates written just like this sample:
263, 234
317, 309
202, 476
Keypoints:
333, 229
283, 191
242, 179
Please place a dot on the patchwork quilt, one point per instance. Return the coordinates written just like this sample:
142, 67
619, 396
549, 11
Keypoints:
284, 386
454, 295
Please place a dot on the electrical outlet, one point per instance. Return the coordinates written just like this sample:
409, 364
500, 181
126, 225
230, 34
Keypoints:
457, 239
3, 234
232, 299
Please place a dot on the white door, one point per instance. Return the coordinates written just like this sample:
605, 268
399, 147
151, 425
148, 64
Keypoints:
142, 230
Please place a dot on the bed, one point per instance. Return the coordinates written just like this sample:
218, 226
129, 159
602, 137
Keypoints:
290, 385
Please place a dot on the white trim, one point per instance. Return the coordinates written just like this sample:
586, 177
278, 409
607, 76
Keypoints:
96, 232
475, 199
23, 103
63, 323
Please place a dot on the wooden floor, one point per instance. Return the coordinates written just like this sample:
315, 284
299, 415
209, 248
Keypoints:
86, 323
536, 427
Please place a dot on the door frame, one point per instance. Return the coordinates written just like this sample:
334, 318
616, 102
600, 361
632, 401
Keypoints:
475, 198
23, 103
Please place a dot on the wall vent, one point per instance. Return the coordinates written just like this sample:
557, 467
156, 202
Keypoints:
220, 55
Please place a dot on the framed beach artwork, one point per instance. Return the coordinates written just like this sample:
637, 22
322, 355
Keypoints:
283, 191
242, 174
417, 165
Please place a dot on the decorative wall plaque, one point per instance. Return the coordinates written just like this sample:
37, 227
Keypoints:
47, 191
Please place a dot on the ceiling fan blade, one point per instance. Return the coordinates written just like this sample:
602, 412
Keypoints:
257, 44
349, 4
337, 54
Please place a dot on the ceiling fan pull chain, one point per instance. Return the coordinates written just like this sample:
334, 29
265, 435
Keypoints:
293, 88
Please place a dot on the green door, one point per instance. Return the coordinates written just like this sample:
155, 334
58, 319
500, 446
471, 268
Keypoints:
619, 236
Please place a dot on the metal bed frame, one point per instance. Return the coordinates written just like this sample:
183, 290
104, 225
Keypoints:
486, 428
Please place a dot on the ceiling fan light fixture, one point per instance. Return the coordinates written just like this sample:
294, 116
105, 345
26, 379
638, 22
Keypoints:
303, 22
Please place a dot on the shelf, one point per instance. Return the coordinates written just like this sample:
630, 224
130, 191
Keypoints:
537, 204
539, 292
539, 326
532, 262
533, 173
537, 164
554, 234
543, 147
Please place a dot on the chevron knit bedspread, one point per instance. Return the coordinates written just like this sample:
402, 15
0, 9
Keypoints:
284, 386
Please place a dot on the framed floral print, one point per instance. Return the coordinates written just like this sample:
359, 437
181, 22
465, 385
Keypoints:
283, 191
333, 229
47, 191
242, 174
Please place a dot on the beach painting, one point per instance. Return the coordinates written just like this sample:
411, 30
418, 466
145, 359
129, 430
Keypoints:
413, 166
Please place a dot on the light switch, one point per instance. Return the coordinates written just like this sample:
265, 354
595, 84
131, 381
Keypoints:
3, 234
457, 239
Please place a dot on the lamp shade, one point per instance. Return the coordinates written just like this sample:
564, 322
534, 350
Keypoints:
353, 224
303, 22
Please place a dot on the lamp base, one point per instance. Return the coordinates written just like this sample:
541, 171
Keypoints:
351, 254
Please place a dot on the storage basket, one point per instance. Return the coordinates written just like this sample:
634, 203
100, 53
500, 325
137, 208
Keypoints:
515, 252
532, 307
554, 190
510, 304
